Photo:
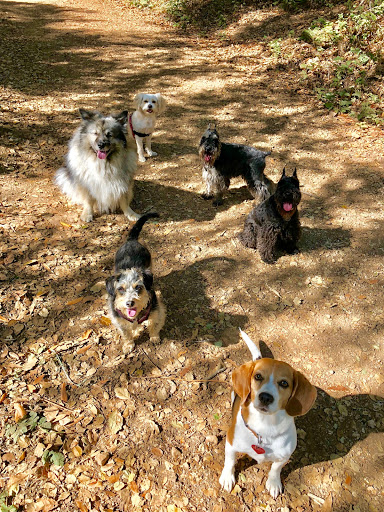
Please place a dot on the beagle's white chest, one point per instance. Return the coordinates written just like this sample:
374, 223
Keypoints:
265, 437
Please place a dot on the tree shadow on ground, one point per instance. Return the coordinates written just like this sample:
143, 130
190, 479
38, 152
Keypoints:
179, 205
184, 293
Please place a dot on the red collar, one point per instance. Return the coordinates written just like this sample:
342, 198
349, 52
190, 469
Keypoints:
130, 125
256, 447
141, 320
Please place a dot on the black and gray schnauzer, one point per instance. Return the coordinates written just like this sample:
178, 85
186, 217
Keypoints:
223, 161
274, 225
132, 301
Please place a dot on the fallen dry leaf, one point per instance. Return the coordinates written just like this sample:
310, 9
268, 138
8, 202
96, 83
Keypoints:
115, 422
20, 412
63, 392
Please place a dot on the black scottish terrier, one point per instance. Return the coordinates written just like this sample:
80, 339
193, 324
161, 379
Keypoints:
274, 225
223, 161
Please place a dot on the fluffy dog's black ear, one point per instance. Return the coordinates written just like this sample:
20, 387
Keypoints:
87, 115
110, 285
148, 279
122, 117
294, 173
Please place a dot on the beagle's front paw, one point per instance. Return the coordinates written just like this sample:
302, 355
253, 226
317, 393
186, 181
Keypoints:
227, 479
274, 486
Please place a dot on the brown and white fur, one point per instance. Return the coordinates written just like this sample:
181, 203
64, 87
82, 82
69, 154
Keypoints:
143, 121
133, 304
100, 165
268, 394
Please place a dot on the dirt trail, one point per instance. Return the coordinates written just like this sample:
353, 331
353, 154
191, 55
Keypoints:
143, 433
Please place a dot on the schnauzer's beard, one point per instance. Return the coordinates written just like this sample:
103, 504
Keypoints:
209, 155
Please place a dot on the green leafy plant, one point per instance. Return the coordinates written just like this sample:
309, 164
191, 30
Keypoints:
52, 457
4, 507
27, 424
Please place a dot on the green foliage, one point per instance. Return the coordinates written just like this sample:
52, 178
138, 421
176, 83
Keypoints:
353, 41
275, 47
27, 424
200, 14
52, 457
4, 507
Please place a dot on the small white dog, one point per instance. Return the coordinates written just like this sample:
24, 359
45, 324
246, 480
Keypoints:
142, 122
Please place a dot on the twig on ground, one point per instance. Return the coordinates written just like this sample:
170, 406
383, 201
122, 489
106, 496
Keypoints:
65, 371
154, 364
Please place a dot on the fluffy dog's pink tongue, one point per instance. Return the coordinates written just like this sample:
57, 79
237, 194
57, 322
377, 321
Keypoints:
288, 207
102, 155
207, 158
131, 312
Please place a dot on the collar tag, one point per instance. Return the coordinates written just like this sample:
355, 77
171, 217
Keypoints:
258, 449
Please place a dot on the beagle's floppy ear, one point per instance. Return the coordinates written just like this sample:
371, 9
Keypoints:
303, 395
241, 380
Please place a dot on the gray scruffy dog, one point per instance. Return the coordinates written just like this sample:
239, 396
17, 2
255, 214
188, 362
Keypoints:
133, 303
274, 224
223, 161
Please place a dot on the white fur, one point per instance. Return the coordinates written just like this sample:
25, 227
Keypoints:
254, 350
144, 120
276, 434
93, 182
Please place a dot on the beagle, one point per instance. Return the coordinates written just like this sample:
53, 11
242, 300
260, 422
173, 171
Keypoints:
268, 394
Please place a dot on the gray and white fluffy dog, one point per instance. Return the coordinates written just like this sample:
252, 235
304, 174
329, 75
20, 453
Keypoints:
223, 161
133, 304
100, 165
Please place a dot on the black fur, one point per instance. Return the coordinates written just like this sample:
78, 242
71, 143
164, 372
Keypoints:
223, 161
269, 227
132, 253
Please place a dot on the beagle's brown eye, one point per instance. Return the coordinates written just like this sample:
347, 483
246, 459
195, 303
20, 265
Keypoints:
258, 376
283, 384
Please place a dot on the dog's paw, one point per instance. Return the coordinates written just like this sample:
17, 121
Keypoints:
274, 486
86, 217
227, 480
207, 196
141, 158
151, 153
131, 215
155, 339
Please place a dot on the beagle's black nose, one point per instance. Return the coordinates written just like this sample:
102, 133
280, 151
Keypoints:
266, 398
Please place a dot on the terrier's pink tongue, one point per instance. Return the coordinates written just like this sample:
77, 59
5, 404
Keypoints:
207, 158
287, 207
102, 155
131, 312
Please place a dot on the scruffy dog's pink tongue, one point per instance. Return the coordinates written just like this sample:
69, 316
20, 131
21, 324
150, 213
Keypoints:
288, 207
131, 312
207, 158
102, 155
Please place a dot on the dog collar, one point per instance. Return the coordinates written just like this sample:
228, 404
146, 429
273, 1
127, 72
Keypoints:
142, 135
141, 320
255, 447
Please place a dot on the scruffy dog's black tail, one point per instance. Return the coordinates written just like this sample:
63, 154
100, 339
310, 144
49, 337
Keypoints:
135, 231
